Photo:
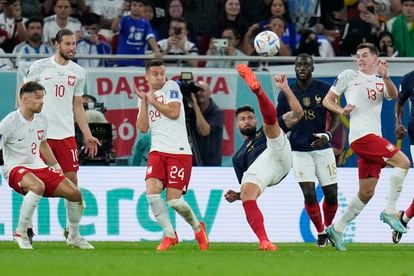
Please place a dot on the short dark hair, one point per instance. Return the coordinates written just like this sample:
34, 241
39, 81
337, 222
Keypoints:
33, 20
371, 47
244, 108
90, 97
91, 19
30, 87
153, 63
179, 19
59, 36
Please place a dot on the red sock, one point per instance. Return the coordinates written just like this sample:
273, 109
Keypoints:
255, 219
267, 108
329, 212
315, 216
410, 210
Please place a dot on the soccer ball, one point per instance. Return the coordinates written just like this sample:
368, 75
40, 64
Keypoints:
267, 43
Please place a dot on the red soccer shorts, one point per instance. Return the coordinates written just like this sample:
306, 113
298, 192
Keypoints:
66, 153
174, 170
372, 151
49, 177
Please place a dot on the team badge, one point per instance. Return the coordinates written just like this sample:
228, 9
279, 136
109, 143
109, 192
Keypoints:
71, 80
379, 86
40, 134
149, 170
318, 99
306, 101
173, 94
390, 147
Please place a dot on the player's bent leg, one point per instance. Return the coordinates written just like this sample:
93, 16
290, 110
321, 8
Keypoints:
249, 77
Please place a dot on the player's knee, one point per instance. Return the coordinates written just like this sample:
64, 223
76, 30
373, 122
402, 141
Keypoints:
331, 194
37, 188
249, 192
366, 195
310, 196
405, 163
75, 195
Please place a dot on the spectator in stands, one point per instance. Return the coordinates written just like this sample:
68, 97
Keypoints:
92, 114
178, 44
60, 20
254, 11
314, 45
108, 10
12, 29
78, 7
233, 39
31, 8
91, 42
402, 29
134, 34
175, 9
148, 14
385, 45
230, 16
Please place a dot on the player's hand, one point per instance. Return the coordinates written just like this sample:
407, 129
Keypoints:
141, 94
151, 98
348, 109
281, 82
322, 139
383, 68
400, 131
91, 146
194, 102
231, 196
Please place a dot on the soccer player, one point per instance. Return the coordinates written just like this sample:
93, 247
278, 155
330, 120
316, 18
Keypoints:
23, 136
311, 145
265, 157
170, 157
364, 93
64, 82
406, 91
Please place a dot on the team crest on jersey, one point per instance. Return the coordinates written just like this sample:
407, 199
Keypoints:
173, 94
40, 134
149, 170
318, 99
379, 86
306, 101
71, 80
390, 147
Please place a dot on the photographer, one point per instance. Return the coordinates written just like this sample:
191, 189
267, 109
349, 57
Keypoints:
94, 111
204, 124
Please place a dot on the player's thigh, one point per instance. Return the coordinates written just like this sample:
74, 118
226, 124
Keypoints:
68, 190
325, 164
179, 168
22, 180
280, 153
157, 166
66, 153
303, 166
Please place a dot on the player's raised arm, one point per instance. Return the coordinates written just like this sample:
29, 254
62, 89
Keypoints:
171, 110
296, 112
391, 90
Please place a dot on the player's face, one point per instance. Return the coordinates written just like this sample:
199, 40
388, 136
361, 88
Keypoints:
366, 61
156, 77
34, 101
303, 68
247, 123
67, 47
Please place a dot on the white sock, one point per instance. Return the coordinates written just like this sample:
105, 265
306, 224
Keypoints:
352, 211
185, 212
29, 205
396, 184
405, 218
161, 214
74, 211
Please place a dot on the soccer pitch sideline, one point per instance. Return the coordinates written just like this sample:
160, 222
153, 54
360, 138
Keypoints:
140, 258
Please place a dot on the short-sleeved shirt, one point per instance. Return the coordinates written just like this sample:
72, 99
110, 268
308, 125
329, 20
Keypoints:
167, 135
407, 92
366, 93
51, 28
20, 140
62, 83
314, 119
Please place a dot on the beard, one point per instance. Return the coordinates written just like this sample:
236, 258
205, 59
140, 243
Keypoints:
65, 56
36, 38
248, 131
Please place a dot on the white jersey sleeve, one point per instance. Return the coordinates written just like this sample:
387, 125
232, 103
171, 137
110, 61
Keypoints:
342, 81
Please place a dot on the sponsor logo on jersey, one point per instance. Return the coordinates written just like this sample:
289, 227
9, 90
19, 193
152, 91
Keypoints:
173, 94
40, 134
48, 78
379, 86
71, 80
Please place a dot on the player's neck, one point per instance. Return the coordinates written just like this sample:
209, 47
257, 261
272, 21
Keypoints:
27, 114
60, 60
302, 84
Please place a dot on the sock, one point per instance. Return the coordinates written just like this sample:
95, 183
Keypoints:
161, 214
74, 211
396, 184
29, 205
352, 211
185, 212
409, 213
315, 216
267, 108
329, 212
255, 219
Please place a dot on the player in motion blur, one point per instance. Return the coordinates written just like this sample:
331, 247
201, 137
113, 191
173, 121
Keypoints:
23, 136
170, 157
406, 92
265, 157
364, 93
311, 148
64, 82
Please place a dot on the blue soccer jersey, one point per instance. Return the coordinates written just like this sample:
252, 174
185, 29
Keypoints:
314, 119
407, 91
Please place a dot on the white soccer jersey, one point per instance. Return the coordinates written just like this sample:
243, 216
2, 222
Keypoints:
366, 92
20, 140
169, 136
62, 83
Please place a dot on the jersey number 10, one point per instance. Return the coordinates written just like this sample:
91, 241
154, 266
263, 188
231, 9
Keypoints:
59, 90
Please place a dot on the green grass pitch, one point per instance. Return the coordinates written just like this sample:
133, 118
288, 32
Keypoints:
140, 258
